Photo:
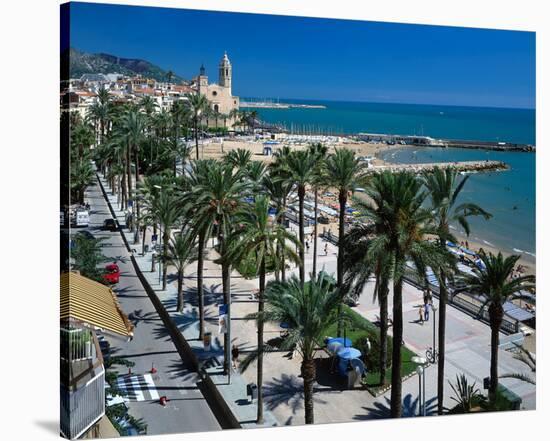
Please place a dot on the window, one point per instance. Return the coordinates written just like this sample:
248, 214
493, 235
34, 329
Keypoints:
214, 93
226, 72
216, 108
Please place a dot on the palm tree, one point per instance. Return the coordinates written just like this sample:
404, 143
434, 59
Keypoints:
82, 175
362, 258
149, 105
444, 190
309, 310
300, 166
133, 127
215, 197
319, 151
406, 223
278, 188
182, 251
344, 171
466, 395
259, 235
495, 284
529, 360
238, 158
198, 104
167, 212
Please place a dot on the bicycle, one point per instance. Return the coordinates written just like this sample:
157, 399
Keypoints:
431, 355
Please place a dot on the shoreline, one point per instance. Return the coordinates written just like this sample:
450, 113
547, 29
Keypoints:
375, 150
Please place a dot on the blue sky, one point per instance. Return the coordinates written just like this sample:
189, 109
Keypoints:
294, 57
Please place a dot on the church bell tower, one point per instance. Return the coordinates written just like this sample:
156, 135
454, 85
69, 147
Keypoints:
225, 72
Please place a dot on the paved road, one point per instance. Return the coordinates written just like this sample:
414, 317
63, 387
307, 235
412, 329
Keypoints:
187, 409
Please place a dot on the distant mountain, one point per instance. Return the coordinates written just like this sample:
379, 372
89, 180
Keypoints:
87, 63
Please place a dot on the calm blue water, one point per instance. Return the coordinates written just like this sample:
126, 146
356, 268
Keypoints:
509, 196
476, 123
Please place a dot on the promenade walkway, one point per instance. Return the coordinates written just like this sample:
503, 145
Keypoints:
467, 350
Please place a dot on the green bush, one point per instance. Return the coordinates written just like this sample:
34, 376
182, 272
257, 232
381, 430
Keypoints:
372, 357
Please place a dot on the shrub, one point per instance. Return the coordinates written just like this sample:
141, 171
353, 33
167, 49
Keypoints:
372, 357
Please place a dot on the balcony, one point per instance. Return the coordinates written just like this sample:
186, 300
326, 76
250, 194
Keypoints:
82, 381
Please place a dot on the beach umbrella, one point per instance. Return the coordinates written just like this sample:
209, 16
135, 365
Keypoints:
349, 353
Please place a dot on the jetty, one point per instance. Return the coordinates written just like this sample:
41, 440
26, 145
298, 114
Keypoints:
462, 166
273, 105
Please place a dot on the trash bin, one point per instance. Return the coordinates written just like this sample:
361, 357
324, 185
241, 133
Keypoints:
252, 391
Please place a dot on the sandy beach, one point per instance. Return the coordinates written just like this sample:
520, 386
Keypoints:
217, 149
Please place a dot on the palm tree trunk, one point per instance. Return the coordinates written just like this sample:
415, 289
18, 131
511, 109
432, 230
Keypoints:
383, 300
165, 239
441, 345
283, 263
260, 364
143, 239
308, 374
200, 288
342, 198
180, 289
136, 155
196, 139
315, 208
226, 288
396, 386
495, 317
301, 195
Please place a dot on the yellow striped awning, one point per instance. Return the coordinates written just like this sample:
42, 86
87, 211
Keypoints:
93, 304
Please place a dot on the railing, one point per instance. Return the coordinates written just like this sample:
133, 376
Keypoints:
77, 344
464, 303
82, 408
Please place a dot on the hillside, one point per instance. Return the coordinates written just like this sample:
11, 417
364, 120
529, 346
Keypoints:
84, 62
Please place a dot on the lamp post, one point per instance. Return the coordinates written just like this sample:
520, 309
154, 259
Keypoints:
434, 310
421, 371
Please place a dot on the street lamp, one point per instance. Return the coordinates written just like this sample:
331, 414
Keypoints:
434, 353
421, 371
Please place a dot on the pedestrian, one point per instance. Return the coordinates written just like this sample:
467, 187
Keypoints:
326, 249
235, 356
427, 311
307, 246
426, 296
421, 315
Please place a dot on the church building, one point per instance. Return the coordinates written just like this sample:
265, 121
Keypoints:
219, 95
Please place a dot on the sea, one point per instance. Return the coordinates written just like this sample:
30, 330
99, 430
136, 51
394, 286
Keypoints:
508, 195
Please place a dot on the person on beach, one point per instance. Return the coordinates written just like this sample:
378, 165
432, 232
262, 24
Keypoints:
234, 356
421, 315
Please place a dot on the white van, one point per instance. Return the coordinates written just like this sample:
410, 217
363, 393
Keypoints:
82, 218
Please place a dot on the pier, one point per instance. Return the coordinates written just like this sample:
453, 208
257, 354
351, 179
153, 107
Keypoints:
463, 166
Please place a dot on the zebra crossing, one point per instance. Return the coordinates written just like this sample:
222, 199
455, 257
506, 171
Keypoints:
138, 387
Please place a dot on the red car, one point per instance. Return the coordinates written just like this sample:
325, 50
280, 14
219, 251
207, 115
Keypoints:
112, 274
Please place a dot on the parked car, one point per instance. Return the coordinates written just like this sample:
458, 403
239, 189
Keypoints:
110, 225
112, 274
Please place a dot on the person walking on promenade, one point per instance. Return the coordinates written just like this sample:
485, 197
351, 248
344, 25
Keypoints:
421, 315
307, 246
326, 249
427, 311
235, 356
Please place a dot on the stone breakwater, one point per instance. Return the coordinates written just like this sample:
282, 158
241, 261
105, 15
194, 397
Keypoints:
463, 166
